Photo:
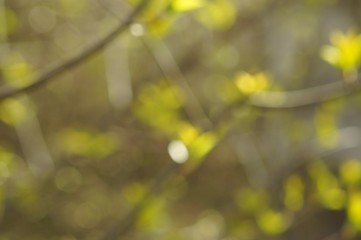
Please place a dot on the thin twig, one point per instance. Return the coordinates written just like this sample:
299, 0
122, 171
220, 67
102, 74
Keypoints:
302, 98
170, 70
48, 75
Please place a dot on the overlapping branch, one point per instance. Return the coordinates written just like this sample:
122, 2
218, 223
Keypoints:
304, 97
57, 70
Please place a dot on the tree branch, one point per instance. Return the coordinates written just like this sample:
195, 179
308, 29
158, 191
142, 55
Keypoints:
48, 75
302, 98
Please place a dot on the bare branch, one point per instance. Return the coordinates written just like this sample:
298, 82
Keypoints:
48, 75
302, 98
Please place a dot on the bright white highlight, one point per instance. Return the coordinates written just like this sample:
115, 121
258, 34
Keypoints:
178, 151
137, 29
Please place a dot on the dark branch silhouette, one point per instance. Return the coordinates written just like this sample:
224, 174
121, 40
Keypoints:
48, 75
275, 100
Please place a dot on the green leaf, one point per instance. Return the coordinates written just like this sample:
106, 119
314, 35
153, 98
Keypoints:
10, 24
354, 210
294, 193
17, 71
154, 215
13, 112
252, 200
273, 222
158, 105
327, 191
350, 173
88, 143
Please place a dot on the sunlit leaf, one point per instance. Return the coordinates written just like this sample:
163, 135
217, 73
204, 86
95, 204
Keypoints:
157, 17
272, 222
186, 5
13, 112
154, 216
159, 25
294, 193
198, 143
7, 164
345, 51
252, 200
10, 23
88, 143
350, 172
252, 83
158, 105
188, 133
202, 145
17, 71
328, 191
354, 210
218, 14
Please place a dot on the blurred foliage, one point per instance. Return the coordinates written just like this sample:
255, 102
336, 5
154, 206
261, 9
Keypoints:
188, 153
345, 52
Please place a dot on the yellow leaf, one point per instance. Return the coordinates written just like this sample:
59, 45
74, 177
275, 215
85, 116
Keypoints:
350, 172
218, 14
202, 145
158, 105
7, 161
88, 143
252, 200
345, 51
328, 192
186, 5
354, 210
159, 25
188, 133
272, 222
17, 71
154, 215
294, 191
251, 83
13, 112
10, 24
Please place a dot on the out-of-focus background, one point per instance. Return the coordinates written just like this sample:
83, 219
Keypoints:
214, 120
